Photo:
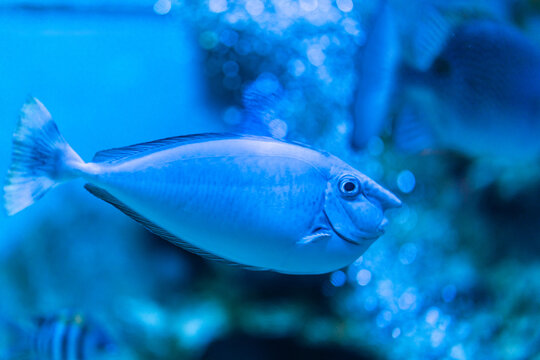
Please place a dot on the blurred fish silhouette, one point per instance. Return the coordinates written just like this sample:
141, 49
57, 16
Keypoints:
377, 72
65, 336
485, 82
250, 200
481, 77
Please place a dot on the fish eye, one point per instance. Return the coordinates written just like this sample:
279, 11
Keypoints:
349, 186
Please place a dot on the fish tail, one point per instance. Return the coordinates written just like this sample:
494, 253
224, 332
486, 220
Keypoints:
41, 158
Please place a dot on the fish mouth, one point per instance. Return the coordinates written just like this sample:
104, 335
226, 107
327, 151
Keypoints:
357, 241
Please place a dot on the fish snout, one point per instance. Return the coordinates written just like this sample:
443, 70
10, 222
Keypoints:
390, 201
385, 198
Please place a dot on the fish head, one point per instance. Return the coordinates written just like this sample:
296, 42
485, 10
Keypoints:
355, 206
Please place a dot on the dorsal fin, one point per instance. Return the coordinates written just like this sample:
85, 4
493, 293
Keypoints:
261, 115
431, 36
121, 153
159, 231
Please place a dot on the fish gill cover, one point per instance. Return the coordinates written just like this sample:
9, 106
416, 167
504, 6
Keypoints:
456, 275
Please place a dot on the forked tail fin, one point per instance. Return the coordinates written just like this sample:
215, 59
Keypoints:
41, 158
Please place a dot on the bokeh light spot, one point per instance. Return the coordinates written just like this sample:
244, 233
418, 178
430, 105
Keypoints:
407, 300
363, 277
406, 181
316, 55
296, 67
278, 128
208, 40
218, 6
267, 83
254, 7
407, 253
370, 303
228, 37
162, 7
230, 68
437, 337
345, 5
457, 352
338, 278
232, 116
449, 293
432, 315
309, 5
384, 318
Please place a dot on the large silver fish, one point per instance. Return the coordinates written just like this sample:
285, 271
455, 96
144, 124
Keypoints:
255, 201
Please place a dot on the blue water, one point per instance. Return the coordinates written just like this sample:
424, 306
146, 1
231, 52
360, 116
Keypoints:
455, 277
65, 60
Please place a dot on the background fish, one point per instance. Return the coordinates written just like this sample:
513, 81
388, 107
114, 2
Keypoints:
63, 336
474, 81
250, 200
485, 85
378, 67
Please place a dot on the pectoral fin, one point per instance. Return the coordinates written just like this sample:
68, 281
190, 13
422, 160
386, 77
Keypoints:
314, 237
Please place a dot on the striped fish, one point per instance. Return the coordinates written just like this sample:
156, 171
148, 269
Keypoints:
64, 336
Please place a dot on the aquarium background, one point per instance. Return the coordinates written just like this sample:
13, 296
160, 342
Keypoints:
456, 276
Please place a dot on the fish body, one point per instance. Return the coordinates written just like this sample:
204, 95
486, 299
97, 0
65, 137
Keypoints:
250, 200
64, 336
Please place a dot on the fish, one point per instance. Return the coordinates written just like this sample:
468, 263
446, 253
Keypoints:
256, 201
378, 68
63, 336
482, 78
466, 80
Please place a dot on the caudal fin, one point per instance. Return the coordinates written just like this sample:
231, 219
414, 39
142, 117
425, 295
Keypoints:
41, 158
